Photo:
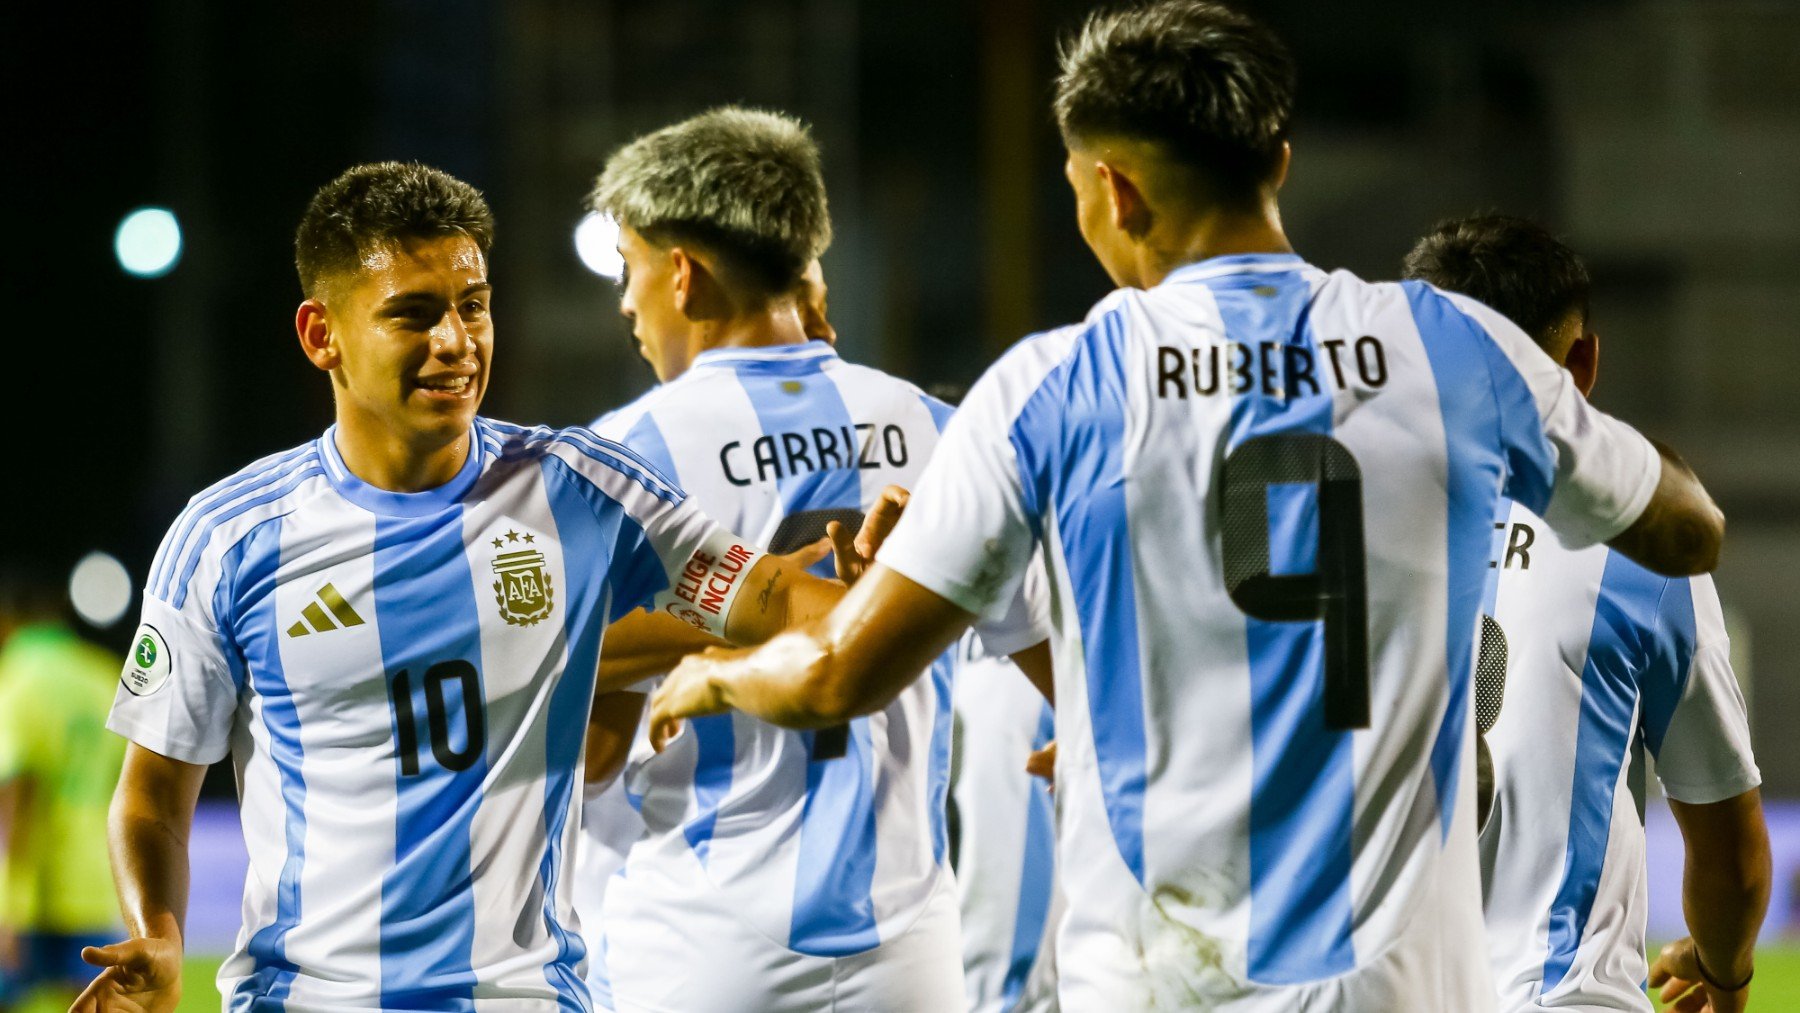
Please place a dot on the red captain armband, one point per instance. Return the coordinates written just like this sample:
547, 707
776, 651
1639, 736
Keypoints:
702, 591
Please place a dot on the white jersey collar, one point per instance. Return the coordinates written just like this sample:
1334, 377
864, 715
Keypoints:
765, 353
1236, 263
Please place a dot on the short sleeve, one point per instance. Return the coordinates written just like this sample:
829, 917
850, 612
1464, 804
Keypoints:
177, 695
1589, 475
1025, 621
970, 529
1694, 719
669, 554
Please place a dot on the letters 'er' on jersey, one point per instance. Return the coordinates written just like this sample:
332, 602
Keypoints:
402, 682
828, 848
1265, 495
1588, 660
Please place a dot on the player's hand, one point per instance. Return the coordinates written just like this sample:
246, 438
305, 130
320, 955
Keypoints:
805, 556
1042, 763
687, 692
855, 554
1677, 972
141, 976
9, 948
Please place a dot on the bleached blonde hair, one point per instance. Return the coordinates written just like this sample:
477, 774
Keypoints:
744, 183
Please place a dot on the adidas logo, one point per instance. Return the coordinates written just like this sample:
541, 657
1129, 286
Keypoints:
314, 620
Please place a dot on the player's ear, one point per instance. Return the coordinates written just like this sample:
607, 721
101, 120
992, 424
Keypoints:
1126, 207
312, 326
683, 271
1583, 362
1282, 161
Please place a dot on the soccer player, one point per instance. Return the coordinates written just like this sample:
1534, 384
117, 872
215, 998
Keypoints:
1586, 659
1265, 494
1006, 836
610, 822
58, 765
801, 870
393, 631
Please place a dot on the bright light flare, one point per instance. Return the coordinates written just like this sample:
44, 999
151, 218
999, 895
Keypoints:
100, 589
148, 242
597, 244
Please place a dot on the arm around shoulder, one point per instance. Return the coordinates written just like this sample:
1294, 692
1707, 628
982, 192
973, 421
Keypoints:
1681, 529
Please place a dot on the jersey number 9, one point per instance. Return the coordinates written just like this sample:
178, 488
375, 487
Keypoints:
1336, 591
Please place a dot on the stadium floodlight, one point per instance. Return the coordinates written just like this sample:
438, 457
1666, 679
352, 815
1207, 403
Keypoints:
100, 589
148, 242
597, 244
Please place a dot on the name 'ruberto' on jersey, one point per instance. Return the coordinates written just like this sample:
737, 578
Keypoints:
1274, 368
821, 448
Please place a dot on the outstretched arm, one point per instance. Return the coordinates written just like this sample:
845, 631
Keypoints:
853, 661
1680, 531
152, 814
1724, 893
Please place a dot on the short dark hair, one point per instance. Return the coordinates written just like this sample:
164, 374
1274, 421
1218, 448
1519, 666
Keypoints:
1514, 265
1212, 87
379, 203
743, 183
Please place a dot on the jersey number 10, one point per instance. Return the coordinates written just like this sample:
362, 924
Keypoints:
471, 711
1336, 591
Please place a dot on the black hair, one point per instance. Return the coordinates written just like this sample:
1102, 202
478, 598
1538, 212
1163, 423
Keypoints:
1512, 264
1212, 87
380, 203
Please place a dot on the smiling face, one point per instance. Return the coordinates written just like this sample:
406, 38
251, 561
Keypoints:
407, 338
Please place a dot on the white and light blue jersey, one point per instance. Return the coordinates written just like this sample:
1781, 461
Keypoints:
1589, 660
827, 842
402, 682
1265, 495
1006, 834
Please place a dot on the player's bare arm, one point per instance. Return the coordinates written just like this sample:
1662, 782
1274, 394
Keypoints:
778, 592
853, 661
1680, 531
152, 814
1725, 892
612, 722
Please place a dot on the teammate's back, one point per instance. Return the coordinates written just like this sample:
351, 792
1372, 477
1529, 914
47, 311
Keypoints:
1264, 492
1264, 496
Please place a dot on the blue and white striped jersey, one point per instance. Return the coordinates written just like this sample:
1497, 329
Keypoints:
403, 682
1589, 659
828, 851
1006, 834
1265, 495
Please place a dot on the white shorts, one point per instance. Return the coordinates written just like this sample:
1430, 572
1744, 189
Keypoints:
674, 947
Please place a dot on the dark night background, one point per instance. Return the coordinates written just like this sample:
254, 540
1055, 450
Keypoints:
1661, 137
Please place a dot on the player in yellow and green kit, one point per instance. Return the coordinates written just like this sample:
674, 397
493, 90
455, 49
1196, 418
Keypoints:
58, 765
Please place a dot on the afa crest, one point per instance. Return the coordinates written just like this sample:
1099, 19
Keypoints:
523, 589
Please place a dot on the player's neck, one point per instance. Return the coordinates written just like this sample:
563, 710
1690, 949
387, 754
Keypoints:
777, 323
1216, 234
385, 460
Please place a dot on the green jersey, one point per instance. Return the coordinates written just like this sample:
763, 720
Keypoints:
55, 691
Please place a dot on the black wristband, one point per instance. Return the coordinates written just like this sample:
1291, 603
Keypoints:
1706, 976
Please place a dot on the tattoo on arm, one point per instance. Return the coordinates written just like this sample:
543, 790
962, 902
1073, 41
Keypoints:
768, 592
